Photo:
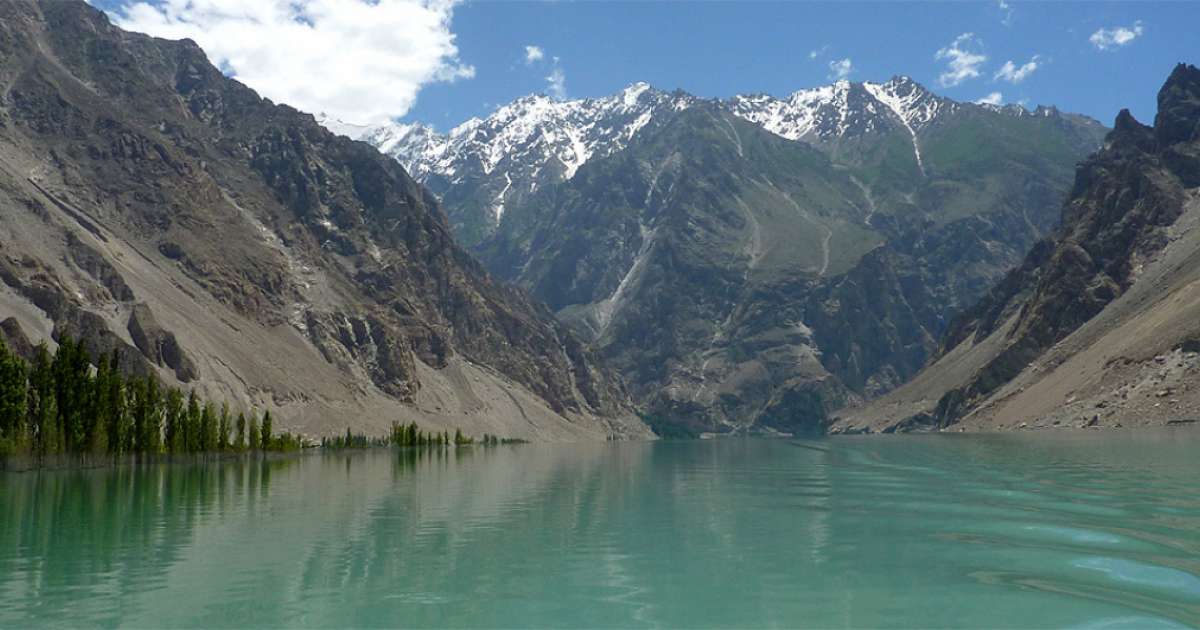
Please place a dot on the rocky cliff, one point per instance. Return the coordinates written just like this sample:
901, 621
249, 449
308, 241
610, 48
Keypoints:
1099, 325
152, 205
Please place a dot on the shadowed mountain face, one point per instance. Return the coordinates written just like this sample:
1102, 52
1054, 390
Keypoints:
1099, 323
152, 205
757, 262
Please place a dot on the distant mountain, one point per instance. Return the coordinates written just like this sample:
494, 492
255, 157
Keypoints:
753, 262
154, 206
484, 166
1100, 325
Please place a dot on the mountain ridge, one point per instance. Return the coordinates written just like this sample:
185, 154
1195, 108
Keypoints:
555, 137
1095, 327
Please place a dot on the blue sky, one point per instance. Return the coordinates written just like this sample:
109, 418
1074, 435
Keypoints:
1093, 58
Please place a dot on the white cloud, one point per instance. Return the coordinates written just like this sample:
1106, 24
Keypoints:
963, 58
839, 69
557, 82
1014, 74
818, 52
1116, 37
534, 53
363, 61
995, 98
1006, 11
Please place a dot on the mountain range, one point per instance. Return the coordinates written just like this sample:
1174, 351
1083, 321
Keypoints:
857, 257
753, 263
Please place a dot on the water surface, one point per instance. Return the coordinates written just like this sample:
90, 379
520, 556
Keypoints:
1080, 529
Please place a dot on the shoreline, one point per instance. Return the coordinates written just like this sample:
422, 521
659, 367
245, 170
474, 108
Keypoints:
31, 464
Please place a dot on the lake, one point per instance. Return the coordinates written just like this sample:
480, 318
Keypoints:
1048, 529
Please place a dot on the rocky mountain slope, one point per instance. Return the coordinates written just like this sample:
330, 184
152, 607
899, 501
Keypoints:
1100, 325
152, 205
755, 262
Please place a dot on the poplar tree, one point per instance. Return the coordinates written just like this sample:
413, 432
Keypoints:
150, 437
72, 382
135, 394
208, 428
42, 404
239, 442
98, 422
174, 420
255, 438
120, 437
223, 428
13, 398
266, 431
192, 420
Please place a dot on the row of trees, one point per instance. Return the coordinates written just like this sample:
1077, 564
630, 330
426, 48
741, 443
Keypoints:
61, 404
405, 435
410, 435
494, 440
353, 440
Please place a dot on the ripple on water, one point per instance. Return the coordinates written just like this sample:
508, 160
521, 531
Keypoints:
1132, 622
1174, 583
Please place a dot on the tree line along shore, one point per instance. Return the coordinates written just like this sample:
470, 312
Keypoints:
67, 404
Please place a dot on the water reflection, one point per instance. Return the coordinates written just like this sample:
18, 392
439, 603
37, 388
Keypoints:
879, 532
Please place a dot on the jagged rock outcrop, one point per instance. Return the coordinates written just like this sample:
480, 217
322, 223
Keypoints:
1122, 260
16, 340
154, 206
159, 345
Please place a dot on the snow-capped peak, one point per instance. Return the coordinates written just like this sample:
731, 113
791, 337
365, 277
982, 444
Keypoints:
911, 103
526, 143
630, 95
843, 108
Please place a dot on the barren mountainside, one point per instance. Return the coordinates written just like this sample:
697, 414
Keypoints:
152, 205
1100, 325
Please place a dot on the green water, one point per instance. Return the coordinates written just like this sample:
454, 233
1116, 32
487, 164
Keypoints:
1087, 529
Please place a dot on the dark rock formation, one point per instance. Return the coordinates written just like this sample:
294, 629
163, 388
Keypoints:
15, 339
159, 345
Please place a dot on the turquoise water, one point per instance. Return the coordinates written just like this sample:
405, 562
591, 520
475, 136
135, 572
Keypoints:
1079, 530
